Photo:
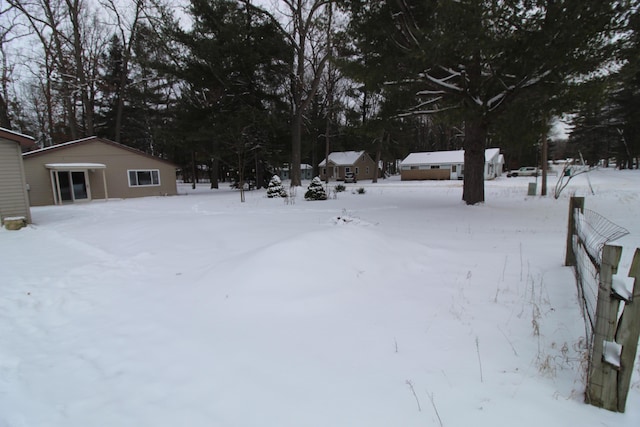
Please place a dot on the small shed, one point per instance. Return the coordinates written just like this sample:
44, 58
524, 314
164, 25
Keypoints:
95, 168
445, 165
306, 172
343, 162
14, 201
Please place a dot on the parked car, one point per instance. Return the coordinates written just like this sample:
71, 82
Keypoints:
350, 177
524, 171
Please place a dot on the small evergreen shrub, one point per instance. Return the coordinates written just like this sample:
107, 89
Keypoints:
275, 188
339, 188
361, 190
315, 191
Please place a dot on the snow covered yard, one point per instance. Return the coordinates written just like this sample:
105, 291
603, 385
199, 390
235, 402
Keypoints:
398, 307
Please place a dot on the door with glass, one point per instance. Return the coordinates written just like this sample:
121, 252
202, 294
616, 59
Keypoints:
72, 186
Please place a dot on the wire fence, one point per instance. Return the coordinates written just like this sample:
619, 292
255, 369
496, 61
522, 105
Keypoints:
592, 231
611, 320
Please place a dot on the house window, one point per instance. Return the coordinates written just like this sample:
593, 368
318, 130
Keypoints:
324, 171
435, 166
367, 170
415, 167
347, 169
453, 168
357, 171
144, 178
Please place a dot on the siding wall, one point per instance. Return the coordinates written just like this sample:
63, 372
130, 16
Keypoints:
117, 160
362, 165
424, 174
13, 195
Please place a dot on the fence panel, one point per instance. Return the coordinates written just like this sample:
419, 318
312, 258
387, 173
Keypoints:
612, 323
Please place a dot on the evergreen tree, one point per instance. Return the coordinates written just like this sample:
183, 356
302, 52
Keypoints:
275, 188
477, 56
234, 65
315, 191
111, 90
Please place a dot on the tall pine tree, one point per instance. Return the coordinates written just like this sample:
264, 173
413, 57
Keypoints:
234, 65
477, 56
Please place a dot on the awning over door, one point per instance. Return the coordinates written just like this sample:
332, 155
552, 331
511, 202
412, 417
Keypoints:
67, 192
74, 166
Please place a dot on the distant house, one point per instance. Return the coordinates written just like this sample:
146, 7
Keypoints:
14, 201
306, 172
340, 163
447, 165
95, 168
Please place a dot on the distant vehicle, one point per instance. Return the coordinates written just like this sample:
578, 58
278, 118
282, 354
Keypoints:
350, 177
524, 171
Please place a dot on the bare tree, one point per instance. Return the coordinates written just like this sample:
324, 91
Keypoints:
71, 38
9, 32
306, 36
127, 29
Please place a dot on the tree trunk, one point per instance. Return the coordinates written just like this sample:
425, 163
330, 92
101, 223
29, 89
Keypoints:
303, 15
194, 170
296, 138
544, 164
4, 114
259, 172
378, 157
213, 173
475, 134
74, 8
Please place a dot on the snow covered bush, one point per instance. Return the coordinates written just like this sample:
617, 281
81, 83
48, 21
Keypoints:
275, 188
339, 188
315, 191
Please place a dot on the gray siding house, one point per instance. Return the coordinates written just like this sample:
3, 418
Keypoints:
14, 201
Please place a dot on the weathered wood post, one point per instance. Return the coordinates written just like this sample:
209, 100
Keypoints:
574, 203
602, 380
628, 333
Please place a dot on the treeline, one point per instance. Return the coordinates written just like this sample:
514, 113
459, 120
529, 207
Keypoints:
234, 90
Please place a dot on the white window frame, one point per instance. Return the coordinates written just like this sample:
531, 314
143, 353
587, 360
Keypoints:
137, 171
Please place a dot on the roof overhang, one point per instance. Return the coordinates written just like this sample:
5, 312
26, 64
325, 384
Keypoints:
74, 166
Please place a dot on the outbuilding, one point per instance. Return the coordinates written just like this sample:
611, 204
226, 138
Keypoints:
306, 172
445, 165
14, 202
95, 168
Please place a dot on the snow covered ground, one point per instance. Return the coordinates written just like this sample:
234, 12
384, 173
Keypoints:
398, 307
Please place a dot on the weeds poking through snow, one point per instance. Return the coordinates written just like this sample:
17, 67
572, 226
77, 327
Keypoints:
479, 359
433, 403
509, 341
410, 384
534, 320
521, 261
504, 268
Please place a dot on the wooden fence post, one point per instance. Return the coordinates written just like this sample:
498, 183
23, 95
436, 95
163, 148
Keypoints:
602, 382
574, 203
628, 333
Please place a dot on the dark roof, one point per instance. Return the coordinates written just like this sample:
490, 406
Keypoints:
90, 139
26, 142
